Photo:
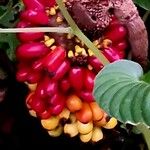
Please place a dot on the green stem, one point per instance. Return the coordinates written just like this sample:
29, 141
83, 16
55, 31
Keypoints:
9, 7
80, 35
37, 29
146, 134
146, 15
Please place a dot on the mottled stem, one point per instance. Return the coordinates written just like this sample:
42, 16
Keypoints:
127, 13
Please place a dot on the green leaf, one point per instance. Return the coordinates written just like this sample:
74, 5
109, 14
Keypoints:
143, 3
8, 15
8, 12
121, 92
2, 74
9, 42
146, 77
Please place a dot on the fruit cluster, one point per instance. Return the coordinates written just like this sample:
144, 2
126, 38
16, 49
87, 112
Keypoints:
60, 70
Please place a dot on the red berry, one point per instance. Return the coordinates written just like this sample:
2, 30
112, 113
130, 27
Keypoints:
121, 46
40, 92
48, 3
50, 87
22, 74
30, 36
86, 96
62, 70
56, 99
54, 59
34, 4
38, 105
116, 33
45, 114
89, 80
56, 110
76, 78
35, 17
33, 77
112, 54
37, 65
95, 63
65, 84
31, 50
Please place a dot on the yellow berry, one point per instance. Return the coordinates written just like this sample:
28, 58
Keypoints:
46, 38
70, 54
52, 11
90, 52
56, 132
78, 49
49, 42
50, 123
97, 134
84, 128
59, 19
71, 129
111, 123
86, 137
64, 114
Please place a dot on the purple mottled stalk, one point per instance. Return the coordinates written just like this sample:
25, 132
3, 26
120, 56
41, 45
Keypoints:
127, 13
92, 15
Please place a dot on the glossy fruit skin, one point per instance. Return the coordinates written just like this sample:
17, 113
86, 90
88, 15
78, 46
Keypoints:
40, 90
38, 65
34, 4
116, 33
50, 87
31, 50
112, 54
89, 77
23, 71
95, 63
57, 102
30, 36
48, 3
46, 88
22, 74
54, 59
84, 115
45, 114
33, 77
65, 85
87, 96
73, 103
76, 78
121, 45
62, 70
26, 37
96, 111
35, 17
37, 105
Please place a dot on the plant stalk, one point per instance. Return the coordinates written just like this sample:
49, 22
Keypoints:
146, 15
146, 134
37, 29
80, 34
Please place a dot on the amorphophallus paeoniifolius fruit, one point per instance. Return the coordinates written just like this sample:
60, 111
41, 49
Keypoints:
64, 68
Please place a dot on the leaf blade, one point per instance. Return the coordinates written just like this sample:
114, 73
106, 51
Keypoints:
125, 86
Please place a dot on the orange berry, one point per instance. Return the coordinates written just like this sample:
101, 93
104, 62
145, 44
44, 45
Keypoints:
84, 115
73, 103
96, 111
